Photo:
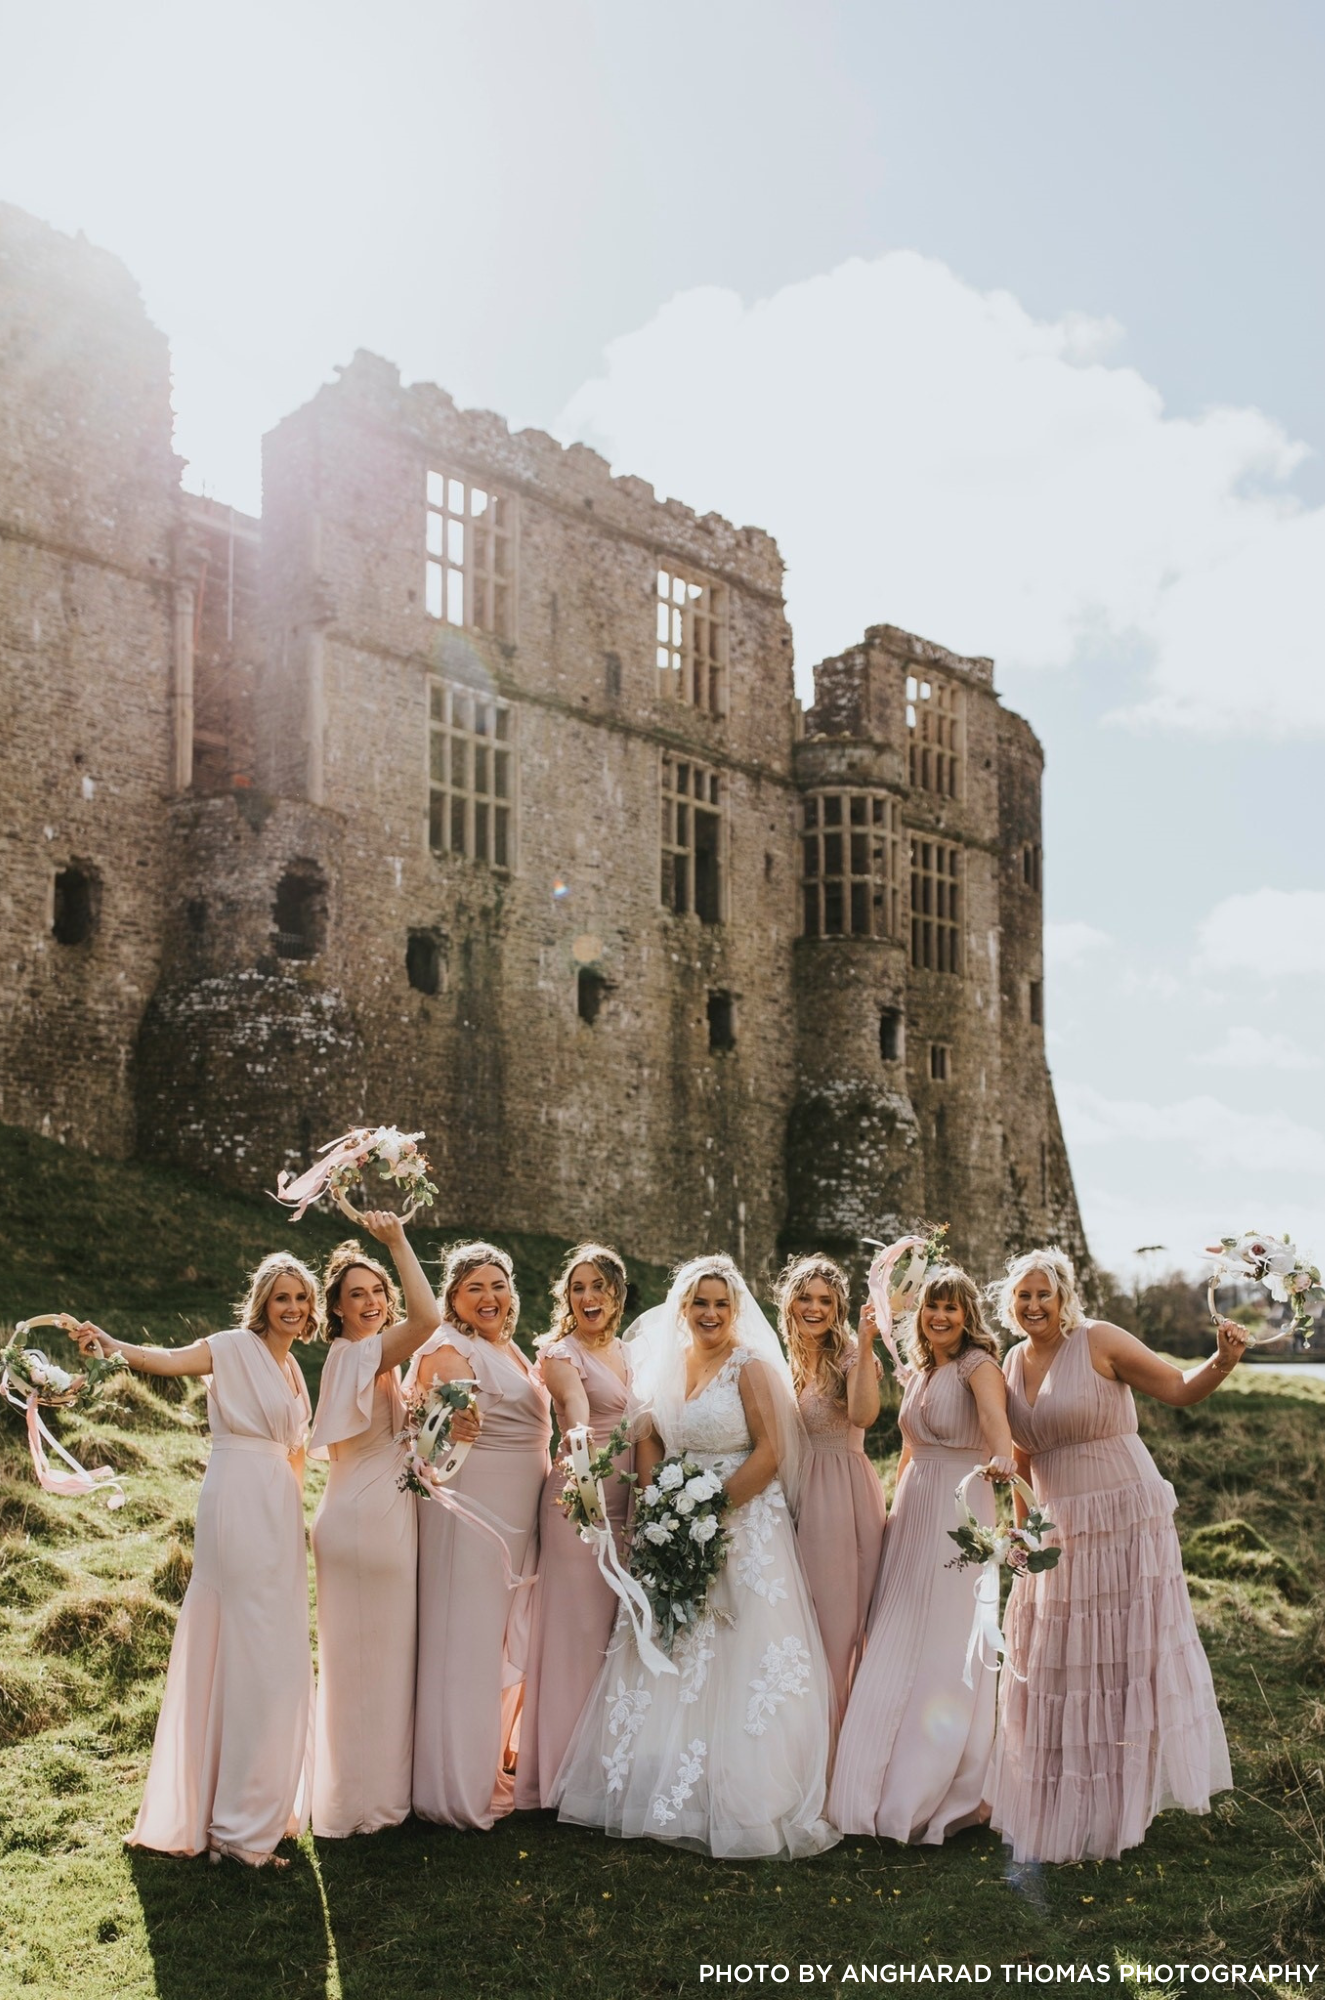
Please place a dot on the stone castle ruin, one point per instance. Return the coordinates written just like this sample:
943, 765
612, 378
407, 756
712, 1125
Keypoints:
467, 790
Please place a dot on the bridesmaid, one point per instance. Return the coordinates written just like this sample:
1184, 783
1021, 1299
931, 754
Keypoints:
1116, 1719
839, 1528
473, 1627
232, 1761
584, 1366
365, 1542
914, 1752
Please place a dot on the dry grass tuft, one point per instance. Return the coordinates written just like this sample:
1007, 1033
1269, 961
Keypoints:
32, 1698
170, 1578
1234, 1552
123, 1635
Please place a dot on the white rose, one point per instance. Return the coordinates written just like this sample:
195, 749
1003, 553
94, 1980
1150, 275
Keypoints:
703, 1486
650, 1496
685, 1503
670, 1478
657, 1532
670, 1521
704, 1529
1300, 1281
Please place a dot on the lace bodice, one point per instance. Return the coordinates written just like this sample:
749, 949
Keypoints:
713, 1425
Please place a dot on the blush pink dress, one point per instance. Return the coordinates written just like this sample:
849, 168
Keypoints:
232, 1761
473, 1630
573, 1608
365, 1548
913, 1755
1116, 1720
839, 1532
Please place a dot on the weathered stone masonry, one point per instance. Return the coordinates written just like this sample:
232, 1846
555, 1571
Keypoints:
468, 789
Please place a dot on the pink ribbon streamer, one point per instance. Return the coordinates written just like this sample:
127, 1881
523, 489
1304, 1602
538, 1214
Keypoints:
477, 1517
75, 1484
301, 1191
879, 1291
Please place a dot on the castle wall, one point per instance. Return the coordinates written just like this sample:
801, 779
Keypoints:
88, 630
593, 980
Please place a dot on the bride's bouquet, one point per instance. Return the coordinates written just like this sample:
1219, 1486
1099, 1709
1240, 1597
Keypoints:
678, 1544
431, 1461
1272, 1261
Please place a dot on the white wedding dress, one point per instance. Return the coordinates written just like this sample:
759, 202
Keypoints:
729, 1754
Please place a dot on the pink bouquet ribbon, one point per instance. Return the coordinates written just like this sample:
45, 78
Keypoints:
300, 1192
880, 1296
78, 1482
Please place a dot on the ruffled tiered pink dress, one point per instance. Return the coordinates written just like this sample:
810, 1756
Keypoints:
1116, 1720
365, 1548
232, 1760
913, 1755
839, 1532
473, 1630
573, 1608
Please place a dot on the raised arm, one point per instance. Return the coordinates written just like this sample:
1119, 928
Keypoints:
991, 1403
421, 1315
1121, 1357
195, 1359
863, 1381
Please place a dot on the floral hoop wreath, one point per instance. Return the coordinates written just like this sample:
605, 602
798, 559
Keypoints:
1019, 1549
340, 1164
1276, 1263
895, 1277
432, 1461
29, 1381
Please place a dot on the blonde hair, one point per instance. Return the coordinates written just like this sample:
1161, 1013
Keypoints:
826, 1370
718, 1265
1057, 1268
461, 1259
613, 1273
951, 1285
345, 1257
252, 1308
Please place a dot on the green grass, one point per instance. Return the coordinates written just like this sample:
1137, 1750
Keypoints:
533, 1911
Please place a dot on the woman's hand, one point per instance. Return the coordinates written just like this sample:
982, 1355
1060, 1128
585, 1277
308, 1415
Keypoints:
92, 1341
998, 1470
867, 1327
1232, 1344
465, 1426
385, 1227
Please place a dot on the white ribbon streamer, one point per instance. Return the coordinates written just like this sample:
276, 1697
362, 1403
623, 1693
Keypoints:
986, 1641
598, 1533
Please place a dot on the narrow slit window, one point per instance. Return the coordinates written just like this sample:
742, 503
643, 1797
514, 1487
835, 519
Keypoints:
722, 1023
940, 1062
890, 1034
590, 992
77, 905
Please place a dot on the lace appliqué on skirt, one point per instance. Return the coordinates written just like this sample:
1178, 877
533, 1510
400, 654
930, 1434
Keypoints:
784, 1670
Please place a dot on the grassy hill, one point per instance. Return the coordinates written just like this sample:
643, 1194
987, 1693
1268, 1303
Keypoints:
87, 1606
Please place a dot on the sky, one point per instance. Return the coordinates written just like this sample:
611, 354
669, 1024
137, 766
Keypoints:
1005, 319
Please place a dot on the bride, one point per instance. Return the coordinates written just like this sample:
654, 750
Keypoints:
729, 1754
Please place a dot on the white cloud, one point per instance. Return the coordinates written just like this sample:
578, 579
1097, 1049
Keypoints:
1070, 944
933, 456
1252, 1048
1213, 1134
1279, 933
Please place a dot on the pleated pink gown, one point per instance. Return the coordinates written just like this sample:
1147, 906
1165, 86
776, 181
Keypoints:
232, 1760
839, 1533
473, 1631
913, 1755
1116, 1720
573, 1608
365, 1548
